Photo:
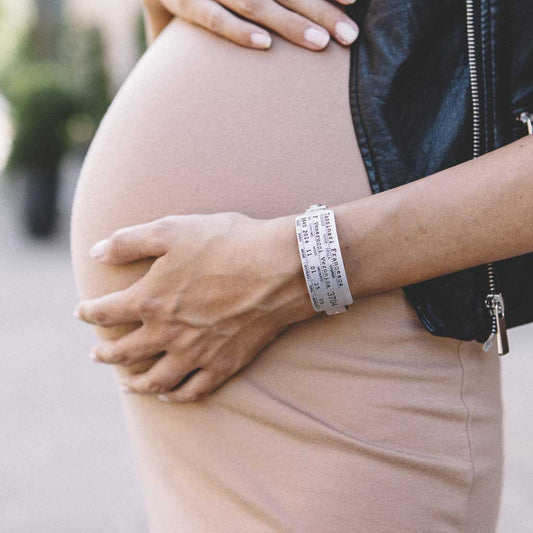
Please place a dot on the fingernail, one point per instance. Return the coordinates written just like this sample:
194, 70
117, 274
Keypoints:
316, 37
76, 312
163, 398
125, 388
261, 40
93, 356
346, 32
98, 250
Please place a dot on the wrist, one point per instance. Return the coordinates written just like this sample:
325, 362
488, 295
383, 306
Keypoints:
288, 267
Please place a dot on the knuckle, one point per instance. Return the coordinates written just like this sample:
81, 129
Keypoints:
153, 386
214, 20
160, 231
295, 26
326, 14
126, 361
109, 354
147, 307
250, 8
186, 396
167, 335
164, 388
290, 22
100, 317
162, 227
114, 243
224, 366
192, 396
324, 18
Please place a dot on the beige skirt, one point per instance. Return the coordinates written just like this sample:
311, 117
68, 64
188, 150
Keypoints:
359, 422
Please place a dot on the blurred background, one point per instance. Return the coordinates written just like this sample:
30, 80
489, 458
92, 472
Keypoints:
65, 461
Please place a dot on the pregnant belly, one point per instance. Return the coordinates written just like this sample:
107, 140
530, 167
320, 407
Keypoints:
204, 125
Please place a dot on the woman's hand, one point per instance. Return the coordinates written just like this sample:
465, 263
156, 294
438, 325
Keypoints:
222, 287
308, 23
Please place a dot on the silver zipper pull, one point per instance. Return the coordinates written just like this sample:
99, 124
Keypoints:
496, 307
527, 119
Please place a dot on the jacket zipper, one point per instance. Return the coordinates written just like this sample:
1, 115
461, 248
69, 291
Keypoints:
493, 300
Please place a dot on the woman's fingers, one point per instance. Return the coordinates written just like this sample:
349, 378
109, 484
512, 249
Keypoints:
212, 16
328, 16
138, 345
113, 309
163, 376
133, 243
196, 388
287, 23
307, 23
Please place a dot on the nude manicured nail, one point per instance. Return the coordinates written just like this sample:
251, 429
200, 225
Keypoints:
163, 398
261, 40
346, 32
76, 312
316, 37
98, 250
125, 388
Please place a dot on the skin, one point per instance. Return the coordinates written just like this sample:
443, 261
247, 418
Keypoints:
298, 21
238, 281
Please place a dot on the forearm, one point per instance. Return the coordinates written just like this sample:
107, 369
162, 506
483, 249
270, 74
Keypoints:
467, 215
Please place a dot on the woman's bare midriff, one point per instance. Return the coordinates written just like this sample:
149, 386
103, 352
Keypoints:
203, 125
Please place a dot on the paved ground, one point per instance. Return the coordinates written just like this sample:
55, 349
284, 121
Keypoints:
65, 463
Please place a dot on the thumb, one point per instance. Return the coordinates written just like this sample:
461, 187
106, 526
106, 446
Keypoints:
133, 243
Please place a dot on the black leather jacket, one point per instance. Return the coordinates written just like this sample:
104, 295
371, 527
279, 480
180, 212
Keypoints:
412, 72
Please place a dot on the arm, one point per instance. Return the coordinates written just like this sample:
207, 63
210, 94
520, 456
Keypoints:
238, 282
467, 215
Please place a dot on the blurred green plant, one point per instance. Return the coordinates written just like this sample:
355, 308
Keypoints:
140, 33
57, 88
58, 103
42, 102
81, 51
